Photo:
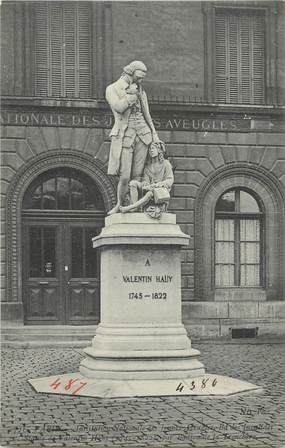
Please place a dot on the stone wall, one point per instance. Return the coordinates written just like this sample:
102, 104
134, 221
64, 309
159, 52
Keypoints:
168, 36
21, 144
195, 156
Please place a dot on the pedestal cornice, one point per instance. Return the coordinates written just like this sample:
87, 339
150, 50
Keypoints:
139, 228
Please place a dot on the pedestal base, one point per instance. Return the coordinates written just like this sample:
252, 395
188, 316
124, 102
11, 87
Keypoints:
137, 352
75, 384
160, 367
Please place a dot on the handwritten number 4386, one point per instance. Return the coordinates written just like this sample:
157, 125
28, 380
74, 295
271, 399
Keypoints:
194, 384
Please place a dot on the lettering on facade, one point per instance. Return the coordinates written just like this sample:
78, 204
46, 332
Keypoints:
95, 120
200, 124
101, 119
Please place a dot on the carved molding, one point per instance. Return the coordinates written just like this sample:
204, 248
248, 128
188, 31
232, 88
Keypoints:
267, 187
21, 181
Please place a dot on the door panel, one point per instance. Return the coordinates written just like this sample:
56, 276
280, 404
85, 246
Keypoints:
83, 285
83, 301
42, 277
42, 303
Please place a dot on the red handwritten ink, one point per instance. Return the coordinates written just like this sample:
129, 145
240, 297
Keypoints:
55, 384
70, 383
78, 389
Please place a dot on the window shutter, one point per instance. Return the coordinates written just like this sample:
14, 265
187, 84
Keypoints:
63, 49
221, 58
245, 66
227, 57
70, 50
56, 49
258, 57
233, 58
239, 43
41, 50
84, 50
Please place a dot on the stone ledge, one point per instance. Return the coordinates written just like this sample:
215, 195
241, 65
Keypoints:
205, 310
220, 328
240, 294
233, 310
243, 309
272, 309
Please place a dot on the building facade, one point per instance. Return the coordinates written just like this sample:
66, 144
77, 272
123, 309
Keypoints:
216, 88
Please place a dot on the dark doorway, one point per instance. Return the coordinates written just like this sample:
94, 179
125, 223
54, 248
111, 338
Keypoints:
62, 211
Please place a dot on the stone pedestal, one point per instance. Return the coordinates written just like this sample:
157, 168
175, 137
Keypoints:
141, 336
140, 348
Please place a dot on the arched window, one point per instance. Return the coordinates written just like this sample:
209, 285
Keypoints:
238, 240
63, 189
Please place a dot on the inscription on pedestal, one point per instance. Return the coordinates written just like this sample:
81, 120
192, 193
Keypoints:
141, 285
150, 279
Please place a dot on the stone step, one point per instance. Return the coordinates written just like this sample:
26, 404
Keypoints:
36, 337
47, 336
50, 329
45, 343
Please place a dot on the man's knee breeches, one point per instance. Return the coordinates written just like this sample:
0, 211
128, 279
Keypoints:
133, 160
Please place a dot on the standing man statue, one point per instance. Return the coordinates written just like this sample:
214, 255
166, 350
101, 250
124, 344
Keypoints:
133, 130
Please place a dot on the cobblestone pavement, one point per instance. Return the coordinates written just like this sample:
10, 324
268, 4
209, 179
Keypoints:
254, 420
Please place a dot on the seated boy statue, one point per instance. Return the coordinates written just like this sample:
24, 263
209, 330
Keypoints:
156, 182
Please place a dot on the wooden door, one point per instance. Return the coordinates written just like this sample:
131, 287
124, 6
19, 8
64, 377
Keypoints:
61, 272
